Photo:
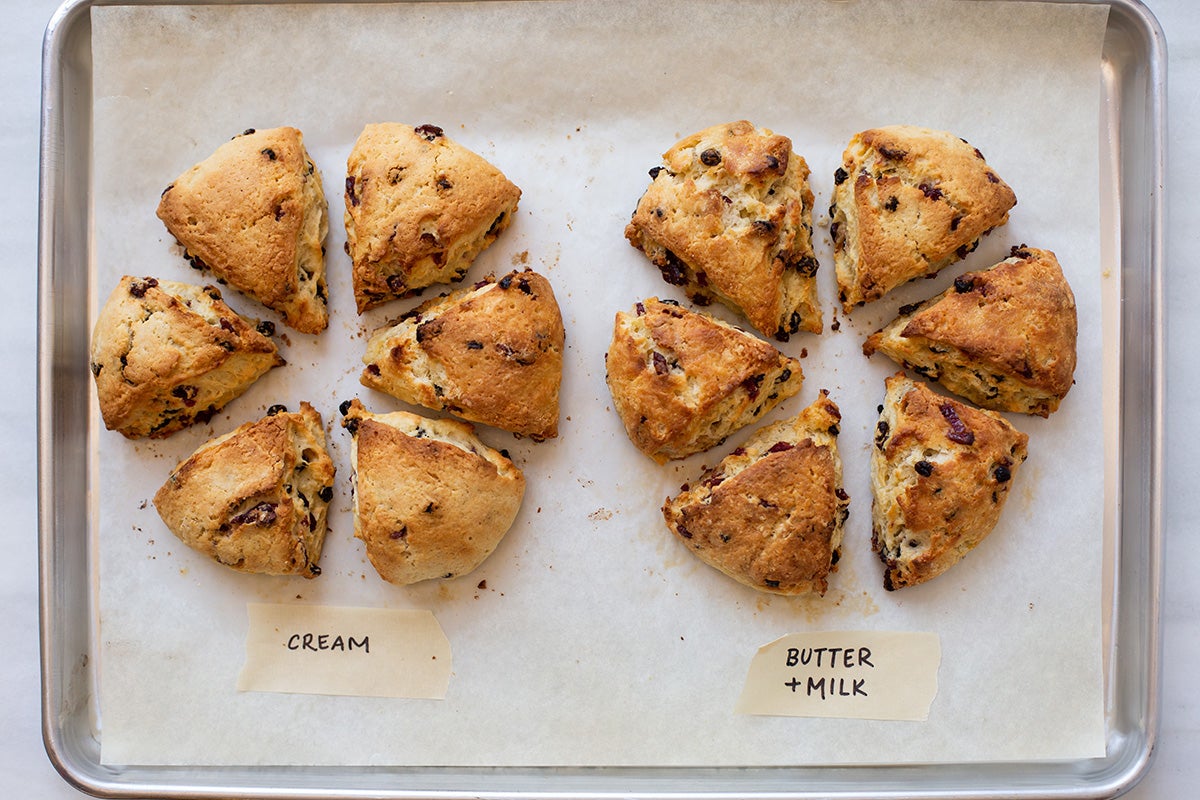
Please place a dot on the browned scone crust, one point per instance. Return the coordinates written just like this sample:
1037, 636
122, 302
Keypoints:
771, 514
940, 473
1003, 338
729, 218
430, 499
682, 380
166, 355
490, 353
907, 202
419, 208
254, 212
255, 499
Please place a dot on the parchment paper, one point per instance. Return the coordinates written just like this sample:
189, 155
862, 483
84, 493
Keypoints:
598, 639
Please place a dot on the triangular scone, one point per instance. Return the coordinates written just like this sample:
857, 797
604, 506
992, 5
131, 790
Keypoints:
430, 499
729, 218
683, 380
940, 473
166, 355
1004, 337
255, 214
907, 202
419, 208
770, 514
490, 353
256, 499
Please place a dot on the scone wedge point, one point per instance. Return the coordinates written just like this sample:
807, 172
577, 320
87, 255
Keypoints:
420, 208
682, 380
728, 218
254, 213
490, 353
256, 499
1003, 338
941, 471
907, 202
770, 515
431, 501
166, 355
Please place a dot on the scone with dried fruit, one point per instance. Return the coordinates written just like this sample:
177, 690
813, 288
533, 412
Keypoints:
430, 499
682, 380
940, 473
728, 217
770, 514
256, 499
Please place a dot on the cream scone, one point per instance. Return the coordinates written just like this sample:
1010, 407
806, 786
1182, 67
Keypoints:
770, 515
490, 353
907, 202
256, 499
430, 499
940, 473
419, 209
729, 218
166, 355
682, 381
1003, 338
254, 213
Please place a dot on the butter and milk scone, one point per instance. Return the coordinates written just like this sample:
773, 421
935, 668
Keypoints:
907, 202
419, 209
728, 217
489, 353
940, 473
682, 380
254, 212
1003, 338
256, 499
166, 355
430, 499
770, 515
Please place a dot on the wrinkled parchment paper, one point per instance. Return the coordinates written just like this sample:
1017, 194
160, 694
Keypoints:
597, 639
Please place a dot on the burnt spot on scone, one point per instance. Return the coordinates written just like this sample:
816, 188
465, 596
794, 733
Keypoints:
260, 515
139, 288
959, 432
429, 132
710, 157
278, 408
352, 190
892, 203
839, 176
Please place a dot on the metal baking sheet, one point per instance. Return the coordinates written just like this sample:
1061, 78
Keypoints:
1132, 79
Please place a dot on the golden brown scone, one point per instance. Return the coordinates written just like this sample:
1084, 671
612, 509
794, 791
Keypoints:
256, 499
430, 499
166, 355
1004, 337
254, 212
419, 209
907, 202
729, 218
489, 353
682, 380
940, 473
770, 515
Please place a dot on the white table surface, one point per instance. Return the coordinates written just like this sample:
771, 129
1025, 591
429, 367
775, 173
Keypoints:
26, 772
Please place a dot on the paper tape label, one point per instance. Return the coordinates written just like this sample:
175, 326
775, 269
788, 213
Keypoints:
849, 674
369, 652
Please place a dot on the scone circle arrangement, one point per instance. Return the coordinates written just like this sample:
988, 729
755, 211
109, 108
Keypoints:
255, 499
728, 218
166, 355
420, 207
431, 500
770, 515
254, 213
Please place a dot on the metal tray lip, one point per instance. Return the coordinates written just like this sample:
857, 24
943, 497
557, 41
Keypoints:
1126, 765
